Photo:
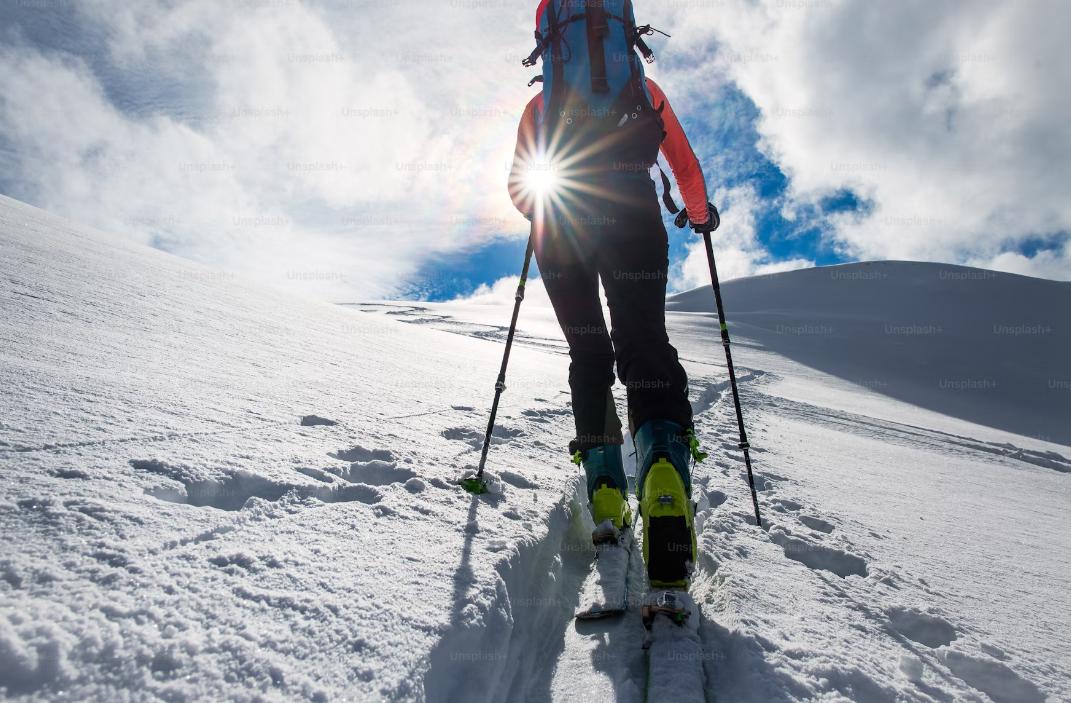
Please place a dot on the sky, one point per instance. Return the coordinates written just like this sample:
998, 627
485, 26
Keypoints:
354, 150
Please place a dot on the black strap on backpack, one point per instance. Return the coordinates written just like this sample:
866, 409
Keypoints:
536, 53
597, 28
639, 43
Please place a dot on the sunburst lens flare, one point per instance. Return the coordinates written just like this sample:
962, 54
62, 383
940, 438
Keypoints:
541, 179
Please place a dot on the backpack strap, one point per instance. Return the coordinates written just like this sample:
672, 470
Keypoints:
636, 82
597, 30
557, 69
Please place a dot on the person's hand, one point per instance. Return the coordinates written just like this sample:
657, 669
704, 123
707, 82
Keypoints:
712, 223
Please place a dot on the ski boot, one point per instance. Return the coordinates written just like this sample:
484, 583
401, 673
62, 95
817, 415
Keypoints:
606, 590
663, 452
607, 487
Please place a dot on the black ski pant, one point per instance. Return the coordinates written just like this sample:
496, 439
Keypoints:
621, 241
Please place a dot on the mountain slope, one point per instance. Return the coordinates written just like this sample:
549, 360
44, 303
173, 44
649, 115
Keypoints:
175, 531
989, 347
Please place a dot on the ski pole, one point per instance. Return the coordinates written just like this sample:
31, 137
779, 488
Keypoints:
732, 374
476, 484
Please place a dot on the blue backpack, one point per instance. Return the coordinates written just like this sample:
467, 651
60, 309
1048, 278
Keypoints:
594, 85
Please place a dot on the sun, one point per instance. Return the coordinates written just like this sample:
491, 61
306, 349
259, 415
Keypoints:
564, 173
541, 178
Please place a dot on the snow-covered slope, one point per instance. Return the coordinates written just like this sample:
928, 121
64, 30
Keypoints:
173, 531
993, 348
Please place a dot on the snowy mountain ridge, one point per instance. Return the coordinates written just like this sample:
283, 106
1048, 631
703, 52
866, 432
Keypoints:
175, 531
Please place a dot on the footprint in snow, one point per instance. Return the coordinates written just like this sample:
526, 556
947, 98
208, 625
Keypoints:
516, 480
545, 416
763, 484
229, 490
817, 524
235, 561
359, 453
322, 476
785, 505
716, 498
818, 556
924, 628
349, 493
377, 473
316, 420
474, 438
375, 467
467, 435
70, 474
992, 678
232, 489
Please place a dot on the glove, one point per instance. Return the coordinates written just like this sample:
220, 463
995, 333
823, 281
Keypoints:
712, 223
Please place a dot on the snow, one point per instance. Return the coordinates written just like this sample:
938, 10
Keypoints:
215, 491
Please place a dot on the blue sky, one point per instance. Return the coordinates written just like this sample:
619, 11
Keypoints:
299, 144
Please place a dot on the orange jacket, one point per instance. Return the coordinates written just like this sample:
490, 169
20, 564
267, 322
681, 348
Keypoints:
675, 147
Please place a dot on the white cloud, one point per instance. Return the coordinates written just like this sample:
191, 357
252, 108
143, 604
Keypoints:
952, 117
503, 291
334, 147
1044, 264
309, 146
737, 249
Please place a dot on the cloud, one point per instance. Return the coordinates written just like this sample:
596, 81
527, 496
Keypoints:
949, 118
737, 249
1045, 264
337, 147
300, 143
502, 292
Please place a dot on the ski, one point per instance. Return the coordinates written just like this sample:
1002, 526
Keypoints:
605, 592
674, 648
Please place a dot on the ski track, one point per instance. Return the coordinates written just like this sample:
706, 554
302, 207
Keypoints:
601, 660
910, 435
421, 315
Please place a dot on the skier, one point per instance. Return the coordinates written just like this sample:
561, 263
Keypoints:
581, 173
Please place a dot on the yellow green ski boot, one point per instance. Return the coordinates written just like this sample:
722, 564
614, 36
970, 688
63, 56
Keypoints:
609, 503
607, 490
664, 486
